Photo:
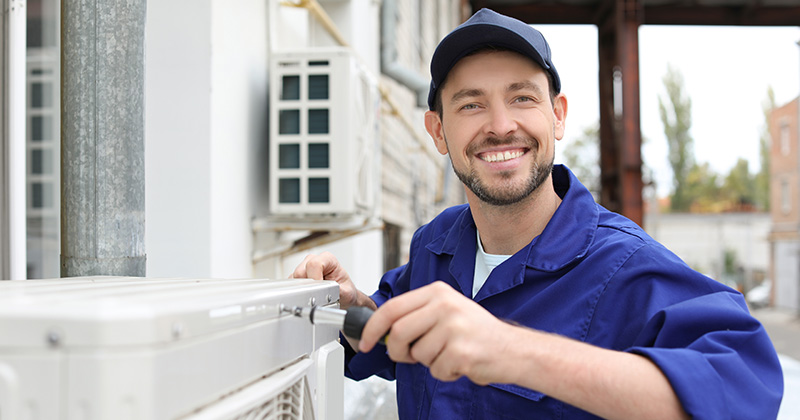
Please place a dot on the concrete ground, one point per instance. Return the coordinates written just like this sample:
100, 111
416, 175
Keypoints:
783, 328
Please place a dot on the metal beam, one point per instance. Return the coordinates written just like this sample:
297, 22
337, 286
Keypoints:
752, 15
620, 133
609, 156
631, 184
547, 13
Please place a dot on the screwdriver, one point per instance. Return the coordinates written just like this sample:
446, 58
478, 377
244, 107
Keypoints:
350, 321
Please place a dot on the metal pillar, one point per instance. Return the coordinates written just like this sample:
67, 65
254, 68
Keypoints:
620, 132
102, 137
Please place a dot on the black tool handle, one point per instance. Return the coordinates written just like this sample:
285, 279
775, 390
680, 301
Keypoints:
355, 320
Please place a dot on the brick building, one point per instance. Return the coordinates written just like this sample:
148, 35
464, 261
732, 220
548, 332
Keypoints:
785, 205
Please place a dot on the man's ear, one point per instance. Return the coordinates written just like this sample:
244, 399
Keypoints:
433, 123
560, 113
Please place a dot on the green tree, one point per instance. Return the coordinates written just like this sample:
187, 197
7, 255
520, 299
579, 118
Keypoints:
582, 156
762, 177
676, 115
740, 186
702, 188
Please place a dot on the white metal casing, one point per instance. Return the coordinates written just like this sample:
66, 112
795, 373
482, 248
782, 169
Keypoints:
351, 107
137, 348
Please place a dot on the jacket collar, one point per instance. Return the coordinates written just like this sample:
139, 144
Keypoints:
565, 239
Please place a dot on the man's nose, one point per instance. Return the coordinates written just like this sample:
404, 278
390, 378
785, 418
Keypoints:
500, 122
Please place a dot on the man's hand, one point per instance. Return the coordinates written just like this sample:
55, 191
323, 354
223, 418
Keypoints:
326, 267
454, 337
439, 327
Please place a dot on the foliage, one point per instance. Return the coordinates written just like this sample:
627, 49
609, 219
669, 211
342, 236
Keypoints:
702, 188
762, 177
582, 156
676, 115
696, 186
740, 186
708, 192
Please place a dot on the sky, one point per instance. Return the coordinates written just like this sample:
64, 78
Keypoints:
726, 69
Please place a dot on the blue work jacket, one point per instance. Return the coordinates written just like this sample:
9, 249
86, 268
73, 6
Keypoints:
594, 276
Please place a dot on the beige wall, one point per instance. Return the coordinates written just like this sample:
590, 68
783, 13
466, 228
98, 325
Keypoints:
785, 180
784, 166
415, 179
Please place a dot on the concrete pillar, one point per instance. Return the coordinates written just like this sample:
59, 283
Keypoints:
102, 137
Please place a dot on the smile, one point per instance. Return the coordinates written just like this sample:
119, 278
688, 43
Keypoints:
501, 156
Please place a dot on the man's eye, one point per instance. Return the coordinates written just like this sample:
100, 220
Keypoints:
469, 106
525, 99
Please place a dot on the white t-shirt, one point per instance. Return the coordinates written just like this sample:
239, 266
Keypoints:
484, 264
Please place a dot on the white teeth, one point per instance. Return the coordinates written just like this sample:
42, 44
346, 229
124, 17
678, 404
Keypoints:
502, 156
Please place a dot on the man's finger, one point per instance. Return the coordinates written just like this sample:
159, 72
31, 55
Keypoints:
409, 331
300, 271
428, 345
315, 269
391, 311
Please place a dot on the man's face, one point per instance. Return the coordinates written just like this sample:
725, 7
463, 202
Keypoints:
499, 125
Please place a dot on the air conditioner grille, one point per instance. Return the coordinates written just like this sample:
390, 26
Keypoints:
294, 403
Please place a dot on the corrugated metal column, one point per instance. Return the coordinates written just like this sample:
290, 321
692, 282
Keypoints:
620, 131
102, 137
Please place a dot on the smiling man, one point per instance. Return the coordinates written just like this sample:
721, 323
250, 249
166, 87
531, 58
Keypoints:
532, 301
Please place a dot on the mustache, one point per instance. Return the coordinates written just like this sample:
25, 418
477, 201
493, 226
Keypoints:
515, 140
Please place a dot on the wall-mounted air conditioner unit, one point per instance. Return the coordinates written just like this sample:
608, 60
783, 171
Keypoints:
324, 138
135, 348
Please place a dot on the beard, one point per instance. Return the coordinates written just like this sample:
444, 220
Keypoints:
508, 192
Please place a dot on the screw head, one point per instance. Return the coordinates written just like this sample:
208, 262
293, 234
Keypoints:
177, 330
53, 338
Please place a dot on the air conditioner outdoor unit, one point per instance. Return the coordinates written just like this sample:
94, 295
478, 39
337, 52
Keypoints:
324, 135
138, 348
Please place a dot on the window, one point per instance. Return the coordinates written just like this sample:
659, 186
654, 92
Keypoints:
786, 197
785, 146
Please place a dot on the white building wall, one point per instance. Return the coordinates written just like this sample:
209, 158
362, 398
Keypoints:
178, 138
358, 21
702, 239
787, 267
205, 130
361, 256
293, 29
207, 73
412, 173
238, 131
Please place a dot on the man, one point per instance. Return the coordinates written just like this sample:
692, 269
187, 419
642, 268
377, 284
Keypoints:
532, 301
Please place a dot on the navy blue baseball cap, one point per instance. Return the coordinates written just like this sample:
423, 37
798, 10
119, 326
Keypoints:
487, 27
